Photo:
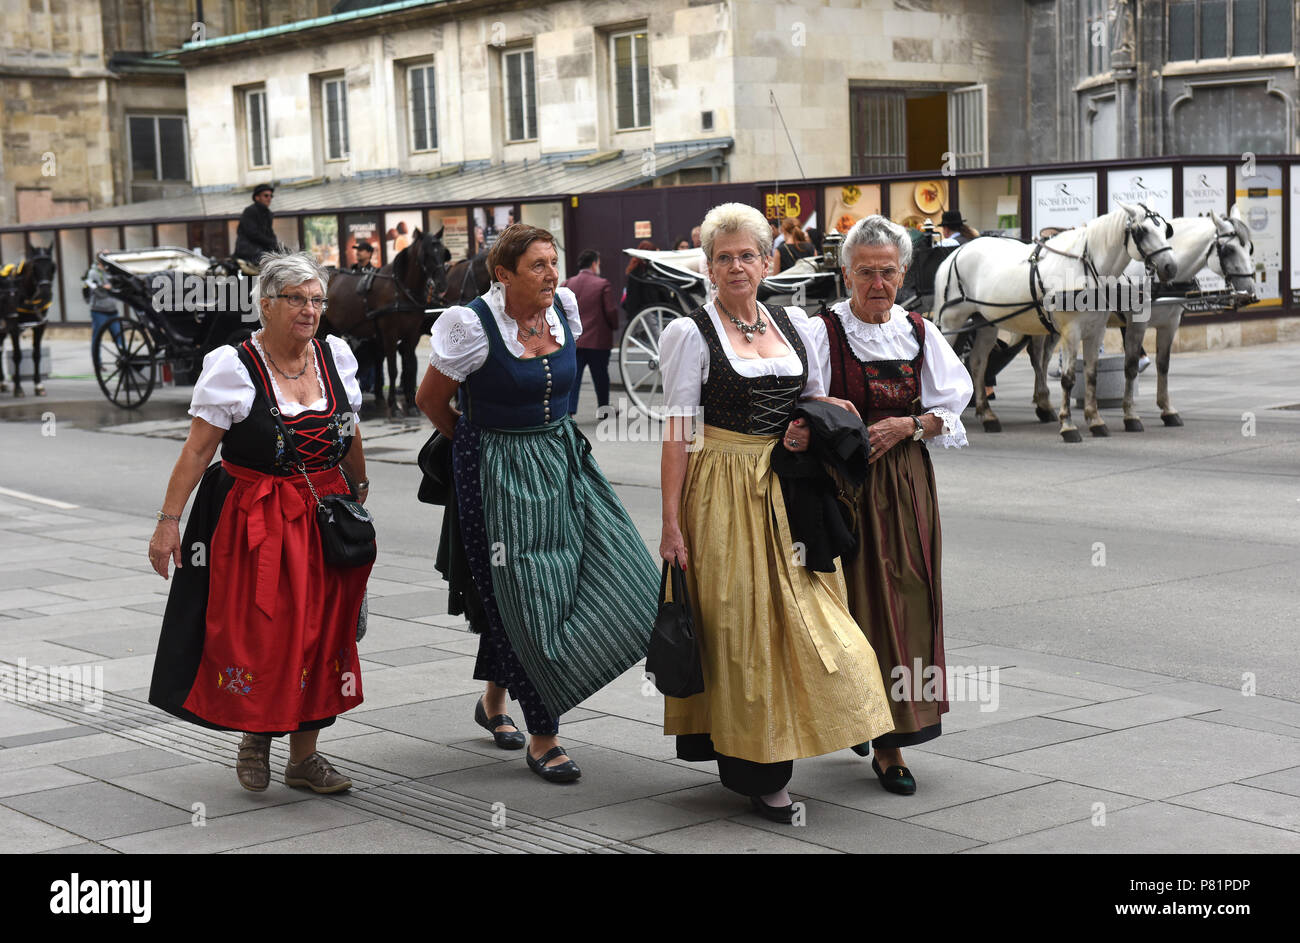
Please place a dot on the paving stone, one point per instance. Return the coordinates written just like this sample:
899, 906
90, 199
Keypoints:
23, 834
406, 606
621, 777
1011, 704
85, 848
1023, 811
450, 720
123, 674
29, 598
116, 642
94, 605
44, 736
128, 762
97, 810
1010, 737
406, 756
731, 838
367, 838
1232, 699
60, 751
629, 736
247, 828
38, 779
856, 832
413, 683
1131, 712
212, 785
631, 696
384, 634
445, 619
1246, 802
416, 655
19, 719
1159, 760
32, 577
1065, 666
1071, 685
1250, 722
88, 570
1284, 780
467, 644
379, 588
625, 821
1153, 828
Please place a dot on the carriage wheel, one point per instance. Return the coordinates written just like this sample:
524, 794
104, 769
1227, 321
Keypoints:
125, 361
638, 359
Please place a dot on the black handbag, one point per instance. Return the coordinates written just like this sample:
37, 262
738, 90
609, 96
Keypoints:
434, 462
673, 661
347, 531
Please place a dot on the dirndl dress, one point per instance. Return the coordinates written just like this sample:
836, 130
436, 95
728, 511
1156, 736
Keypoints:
568, 588
787, 672
259, 633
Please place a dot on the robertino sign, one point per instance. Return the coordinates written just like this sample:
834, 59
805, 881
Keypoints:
1205, 189
1062, 201
1151, 186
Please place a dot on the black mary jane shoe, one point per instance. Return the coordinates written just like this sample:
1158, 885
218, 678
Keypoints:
862, 749
896, 779
505, 739
565, 772
782, 814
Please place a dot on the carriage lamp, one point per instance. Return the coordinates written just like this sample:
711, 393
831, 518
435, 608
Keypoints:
831, 249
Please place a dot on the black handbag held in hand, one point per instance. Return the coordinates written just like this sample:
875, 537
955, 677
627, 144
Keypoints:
673, 662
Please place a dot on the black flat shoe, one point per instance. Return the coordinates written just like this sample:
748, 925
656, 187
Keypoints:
565, 772
862, 749
784, 814
507, 739
896, 779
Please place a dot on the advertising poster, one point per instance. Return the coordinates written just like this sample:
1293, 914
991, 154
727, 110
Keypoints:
990, 205
489, 221
1062, 201
1259, 198
797, 203
361, 227
847, 204
913, 202
399, 228
1152, 186
320, 236
1295, 236
1205, 189
454, 223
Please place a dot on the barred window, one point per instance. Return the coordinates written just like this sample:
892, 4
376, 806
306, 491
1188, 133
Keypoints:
629, 56
335, 93
878, 131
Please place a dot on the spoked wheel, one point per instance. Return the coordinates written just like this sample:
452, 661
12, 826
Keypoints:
125, 362
638, 359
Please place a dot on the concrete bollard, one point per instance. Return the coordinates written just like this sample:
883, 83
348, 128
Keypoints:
1110, 382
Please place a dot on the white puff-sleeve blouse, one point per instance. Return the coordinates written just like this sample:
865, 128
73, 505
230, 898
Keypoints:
460, 345
223, 393
945, 383
684, 360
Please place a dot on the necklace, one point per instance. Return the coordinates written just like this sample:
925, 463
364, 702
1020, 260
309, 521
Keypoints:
306, 360
529, 332
759, 325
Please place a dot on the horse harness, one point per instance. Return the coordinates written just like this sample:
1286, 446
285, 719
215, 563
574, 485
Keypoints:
36, 312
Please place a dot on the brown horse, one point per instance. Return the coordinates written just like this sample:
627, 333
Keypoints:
466, 280
25, 295
389, 306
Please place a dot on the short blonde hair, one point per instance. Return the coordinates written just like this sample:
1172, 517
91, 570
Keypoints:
731, 218
280, 270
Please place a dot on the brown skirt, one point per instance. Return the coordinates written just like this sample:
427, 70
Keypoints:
894, 588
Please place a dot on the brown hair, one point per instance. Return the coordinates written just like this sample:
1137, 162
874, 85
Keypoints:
636, 265
512, 243
790, 229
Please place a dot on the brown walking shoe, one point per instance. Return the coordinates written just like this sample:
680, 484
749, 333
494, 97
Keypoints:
316, 774
254, 765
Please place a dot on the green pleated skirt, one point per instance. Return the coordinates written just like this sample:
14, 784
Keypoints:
576, 588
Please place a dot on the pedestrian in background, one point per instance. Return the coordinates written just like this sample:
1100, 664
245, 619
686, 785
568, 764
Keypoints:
255, 234
795, 246
599, 322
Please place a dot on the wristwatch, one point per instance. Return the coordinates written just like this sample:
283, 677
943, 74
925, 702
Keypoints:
919, 434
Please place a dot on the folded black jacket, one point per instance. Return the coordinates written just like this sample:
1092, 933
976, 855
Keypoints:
819, 485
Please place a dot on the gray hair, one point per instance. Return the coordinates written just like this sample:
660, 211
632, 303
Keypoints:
281, 270
731, 218
876, 231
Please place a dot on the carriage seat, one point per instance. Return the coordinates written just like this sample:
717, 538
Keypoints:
816, 285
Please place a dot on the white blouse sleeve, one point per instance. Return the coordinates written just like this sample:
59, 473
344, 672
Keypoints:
684, 361
569, 301
945, 386
345, 361
804, 326
223, 393
459, 345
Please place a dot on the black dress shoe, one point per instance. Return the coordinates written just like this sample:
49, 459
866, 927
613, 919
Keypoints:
896, 779
565, 772
507, 739
862, 749
784, 814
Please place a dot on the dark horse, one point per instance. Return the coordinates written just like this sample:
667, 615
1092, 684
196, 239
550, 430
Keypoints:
389, 306
26, 290
467, 279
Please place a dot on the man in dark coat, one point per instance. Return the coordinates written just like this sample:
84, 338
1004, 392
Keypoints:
365, 252
599, 321
255, 234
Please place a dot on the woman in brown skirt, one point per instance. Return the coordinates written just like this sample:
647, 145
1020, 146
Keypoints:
909, 386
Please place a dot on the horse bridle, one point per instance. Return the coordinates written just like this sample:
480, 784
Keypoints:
1221, 241
1132, 231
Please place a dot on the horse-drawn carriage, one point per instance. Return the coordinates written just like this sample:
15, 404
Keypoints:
179, 306
673, 284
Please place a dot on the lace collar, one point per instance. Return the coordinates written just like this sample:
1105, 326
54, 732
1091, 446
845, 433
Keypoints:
896, 326
270, 371
509, 327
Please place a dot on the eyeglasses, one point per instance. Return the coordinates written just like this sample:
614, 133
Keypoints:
869, 274
298, 301
745, 258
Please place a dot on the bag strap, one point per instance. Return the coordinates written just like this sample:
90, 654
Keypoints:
295, 455
679, 586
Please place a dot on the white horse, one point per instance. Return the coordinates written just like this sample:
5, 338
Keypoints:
1010, 285
1224, 245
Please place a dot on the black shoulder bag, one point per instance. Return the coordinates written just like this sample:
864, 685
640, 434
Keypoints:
347, 531
673, 662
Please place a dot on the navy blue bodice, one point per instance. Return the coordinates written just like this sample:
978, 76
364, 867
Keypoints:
510, 392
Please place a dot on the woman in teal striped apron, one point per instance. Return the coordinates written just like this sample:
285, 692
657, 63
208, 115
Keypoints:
569, 591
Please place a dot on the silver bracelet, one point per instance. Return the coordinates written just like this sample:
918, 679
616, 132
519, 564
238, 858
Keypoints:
168, 517
363, 484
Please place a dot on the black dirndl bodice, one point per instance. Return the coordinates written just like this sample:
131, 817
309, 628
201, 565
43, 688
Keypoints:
752, 405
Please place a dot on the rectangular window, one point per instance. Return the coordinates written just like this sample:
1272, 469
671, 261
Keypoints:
335, 93
629, 55
421, 91
259, 143
1214, 29
967, 126
521, 96
1277, 26
159, 149
878, 131
1245, 27
1182, 31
